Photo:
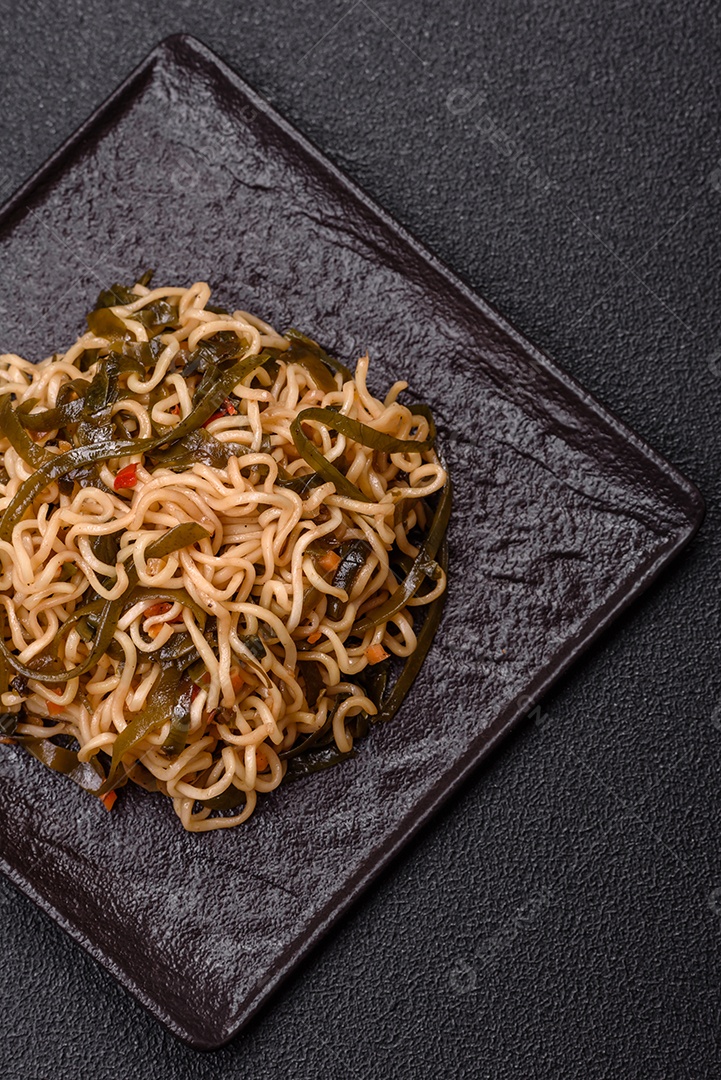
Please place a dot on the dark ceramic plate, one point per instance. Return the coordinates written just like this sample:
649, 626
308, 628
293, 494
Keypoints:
562, 517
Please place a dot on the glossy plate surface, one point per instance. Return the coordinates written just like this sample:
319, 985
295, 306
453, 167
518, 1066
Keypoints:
562, 516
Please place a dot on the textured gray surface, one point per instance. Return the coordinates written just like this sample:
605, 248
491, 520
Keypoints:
559, 518
561, 917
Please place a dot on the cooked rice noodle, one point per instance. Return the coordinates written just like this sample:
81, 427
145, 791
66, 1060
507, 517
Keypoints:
256, 576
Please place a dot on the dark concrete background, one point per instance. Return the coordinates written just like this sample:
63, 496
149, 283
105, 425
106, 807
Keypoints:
563, 917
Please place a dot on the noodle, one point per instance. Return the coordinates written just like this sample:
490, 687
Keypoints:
215, 543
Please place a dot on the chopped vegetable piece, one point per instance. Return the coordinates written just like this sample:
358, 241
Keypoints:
180, 720
376, 653
158, 609
254, 646
393, 701
109, 799
352, 558
127, 477
8, 723
226, 409
329, 562
62, 760
12, 429
311, 347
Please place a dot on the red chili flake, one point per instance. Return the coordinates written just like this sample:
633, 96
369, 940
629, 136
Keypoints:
226, 409
127, 477
157, 609
376, 653
108, 800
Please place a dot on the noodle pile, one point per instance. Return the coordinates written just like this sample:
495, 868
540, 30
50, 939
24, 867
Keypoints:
214, 544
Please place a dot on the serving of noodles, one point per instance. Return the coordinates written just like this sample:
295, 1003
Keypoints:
221, 557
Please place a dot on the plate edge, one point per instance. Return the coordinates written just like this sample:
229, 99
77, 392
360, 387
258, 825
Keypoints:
595, 626
427, 808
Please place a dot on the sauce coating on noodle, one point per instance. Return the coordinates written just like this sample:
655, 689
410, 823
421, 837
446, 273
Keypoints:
217, 549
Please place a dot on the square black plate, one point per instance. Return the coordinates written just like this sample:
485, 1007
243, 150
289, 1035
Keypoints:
562, 516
